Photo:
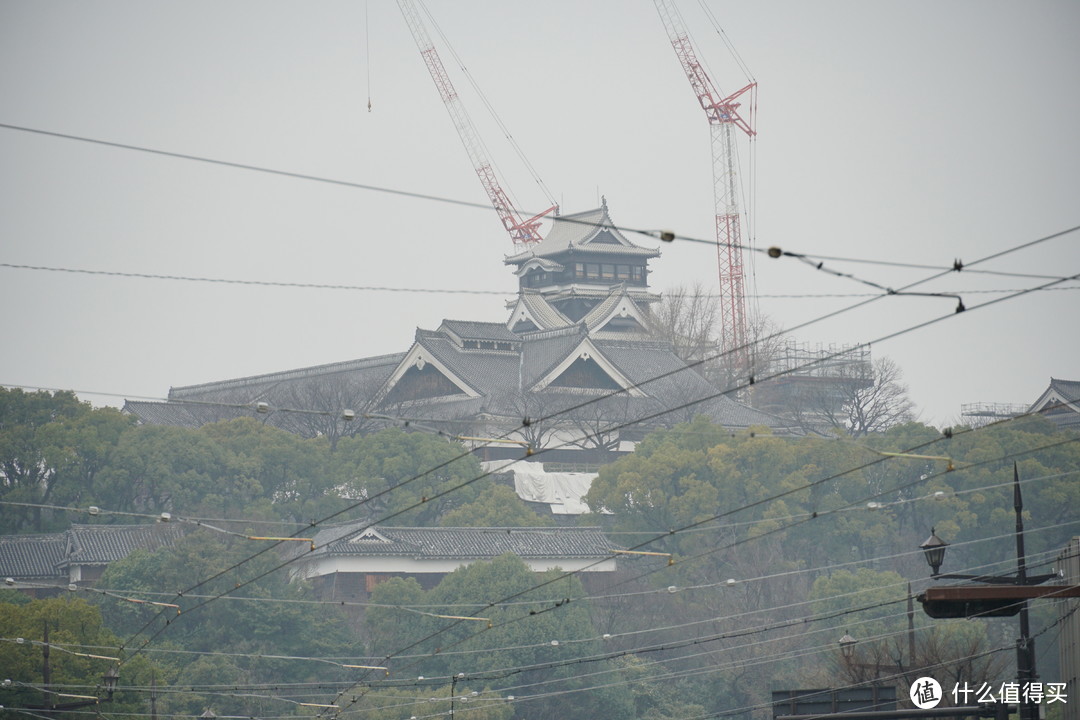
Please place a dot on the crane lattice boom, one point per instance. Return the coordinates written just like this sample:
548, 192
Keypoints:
522, 231
723, 115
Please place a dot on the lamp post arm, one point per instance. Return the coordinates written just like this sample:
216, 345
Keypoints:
999, 579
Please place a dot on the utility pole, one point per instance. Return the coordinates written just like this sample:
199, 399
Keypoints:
910, 628
1001, 596
453, 691
1025, 646
46, 668
108, 682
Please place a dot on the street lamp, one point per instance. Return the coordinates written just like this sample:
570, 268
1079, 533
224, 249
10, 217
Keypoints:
109, 680
934, 550
1000, 601
108, 683
847, 647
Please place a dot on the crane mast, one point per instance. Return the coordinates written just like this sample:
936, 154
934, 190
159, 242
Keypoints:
522, 231
724, 118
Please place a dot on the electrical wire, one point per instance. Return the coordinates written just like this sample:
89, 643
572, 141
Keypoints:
740, 663
490, 108
443, 649
1034, 563
541, 584
475, 291
979, 306
468, 482
665, 235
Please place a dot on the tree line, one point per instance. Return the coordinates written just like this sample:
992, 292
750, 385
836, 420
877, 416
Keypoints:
777, 545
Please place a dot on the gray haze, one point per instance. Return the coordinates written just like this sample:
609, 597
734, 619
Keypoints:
915, 132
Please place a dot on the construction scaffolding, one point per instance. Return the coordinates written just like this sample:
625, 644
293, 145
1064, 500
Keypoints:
812, 382
980, 414
822, 361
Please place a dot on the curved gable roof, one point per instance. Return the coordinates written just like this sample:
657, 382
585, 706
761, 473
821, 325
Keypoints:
591, 231
533, 307
617, 304
462, 543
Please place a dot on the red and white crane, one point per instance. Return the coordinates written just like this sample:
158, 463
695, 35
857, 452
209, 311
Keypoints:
523, 231
724, 118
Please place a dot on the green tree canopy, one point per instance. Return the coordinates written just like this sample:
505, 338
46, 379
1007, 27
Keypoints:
75, 632
261, 620
52, 448
407, 478
499, 507
533, 640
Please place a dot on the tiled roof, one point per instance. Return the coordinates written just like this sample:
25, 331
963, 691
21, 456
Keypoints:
481, 370
47, 557
618, 300
545, 264
1060, 403
471, 330
545, 315
1069, 390
103, 544
31, 557
601, 310
544, 350
182, 414
247, 389
655, 368
462, 543
578, 231
197, 405
672, 390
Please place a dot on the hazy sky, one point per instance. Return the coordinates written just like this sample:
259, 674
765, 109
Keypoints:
910, 132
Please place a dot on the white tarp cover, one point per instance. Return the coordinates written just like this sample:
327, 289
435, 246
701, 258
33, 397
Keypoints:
561, 490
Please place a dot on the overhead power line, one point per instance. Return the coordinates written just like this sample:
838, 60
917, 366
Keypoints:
468, 482
664, 235
475, 291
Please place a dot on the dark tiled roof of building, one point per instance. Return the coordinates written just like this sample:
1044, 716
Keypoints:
535, 306
103, 544
481, 370
471, 330
48, 556
31, 557
183, 414
1068, 389
247, 389
673, 392
1060, 403
542, 264
545, 350
655, 368
196, 405
590, 231
462, 543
